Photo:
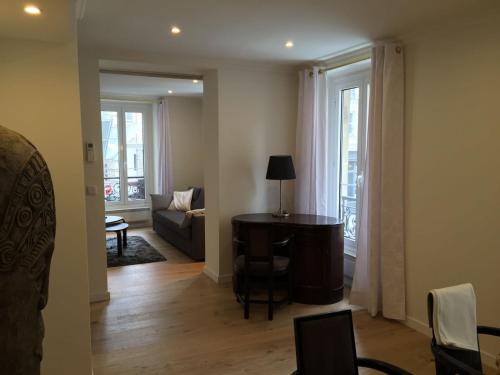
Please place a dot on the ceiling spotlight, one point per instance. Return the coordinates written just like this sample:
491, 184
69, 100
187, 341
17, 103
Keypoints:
33, 10
170, 91
289, 44
195, 81
175, 30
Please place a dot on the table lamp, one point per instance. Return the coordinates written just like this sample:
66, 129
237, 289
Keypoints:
281, 168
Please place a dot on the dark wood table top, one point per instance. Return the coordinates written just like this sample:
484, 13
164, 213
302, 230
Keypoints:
293, 219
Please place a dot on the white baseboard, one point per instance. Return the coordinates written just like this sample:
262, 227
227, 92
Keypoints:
211, 274
219, 279
418, 326
100, 297
488, 359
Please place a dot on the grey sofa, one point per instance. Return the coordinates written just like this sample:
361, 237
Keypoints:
186, 234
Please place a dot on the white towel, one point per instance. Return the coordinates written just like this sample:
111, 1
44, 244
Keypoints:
454, 317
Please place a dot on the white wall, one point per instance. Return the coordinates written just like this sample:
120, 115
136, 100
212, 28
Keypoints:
39, 98
452, 165
257, 118
94, 204
248, 113
187, 145
210, 117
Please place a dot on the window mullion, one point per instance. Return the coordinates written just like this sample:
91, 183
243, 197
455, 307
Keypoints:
340, 134
123, 161
361, 127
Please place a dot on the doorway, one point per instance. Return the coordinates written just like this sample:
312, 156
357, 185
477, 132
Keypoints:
151, 129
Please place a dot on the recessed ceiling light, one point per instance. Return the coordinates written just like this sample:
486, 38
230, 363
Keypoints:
175, 30
289, 44
195, 81
33, 10
170, 91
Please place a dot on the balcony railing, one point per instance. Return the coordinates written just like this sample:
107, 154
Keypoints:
348, 211
135, 189
111, 189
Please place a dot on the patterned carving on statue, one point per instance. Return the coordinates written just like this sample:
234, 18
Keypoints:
27, 233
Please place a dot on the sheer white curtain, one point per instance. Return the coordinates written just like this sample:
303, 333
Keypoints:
311, 146
163, 147
379, 276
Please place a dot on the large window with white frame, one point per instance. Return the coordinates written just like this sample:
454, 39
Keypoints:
126, 134
348, 93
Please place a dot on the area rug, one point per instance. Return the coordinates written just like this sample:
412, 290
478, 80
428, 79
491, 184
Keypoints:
138, 251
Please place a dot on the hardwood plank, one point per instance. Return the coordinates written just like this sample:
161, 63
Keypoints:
169, 318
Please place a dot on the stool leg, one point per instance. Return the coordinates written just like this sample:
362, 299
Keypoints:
247, 297
119, 243
125, 238
270, 301
291, 271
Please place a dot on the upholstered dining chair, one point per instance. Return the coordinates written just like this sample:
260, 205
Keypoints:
258, 267
325, 345
455, 361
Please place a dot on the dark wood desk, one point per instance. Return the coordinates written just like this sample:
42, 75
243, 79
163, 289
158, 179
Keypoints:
319, 252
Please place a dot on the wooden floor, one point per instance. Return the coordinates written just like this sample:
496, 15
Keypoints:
169, 318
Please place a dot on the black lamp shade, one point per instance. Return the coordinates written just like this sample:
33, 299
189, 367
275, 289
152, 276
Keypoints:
280, 167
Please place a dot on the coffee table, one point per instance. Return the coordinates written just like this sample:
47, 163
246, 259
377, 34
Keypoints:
112, 220
121, 235
118, 225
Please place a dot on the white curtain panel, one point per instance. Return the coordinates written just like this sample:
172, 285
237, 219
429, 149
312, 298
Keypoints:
379, 276
311, 146
163, 147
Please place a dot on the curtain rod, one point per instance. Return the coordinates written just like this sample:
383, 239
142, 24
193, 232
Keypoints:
354, 60
324, 70
129, 100
339, 65
151, 74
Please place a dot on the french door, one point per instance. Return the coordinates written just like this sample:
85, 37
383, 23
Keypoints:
126, 129
348, 114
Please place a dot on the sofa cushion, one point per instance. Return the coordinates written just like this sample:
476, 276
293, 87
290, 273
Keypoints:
198, 201
175, 221
160, 201
196, 191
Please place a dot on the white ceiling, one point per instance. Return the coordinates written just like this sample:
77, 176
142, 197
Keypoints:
256, 30
119, 85
55, 24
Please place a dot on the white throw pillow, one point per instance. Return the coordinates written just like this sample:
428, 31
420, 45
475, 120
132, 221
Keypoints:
182, 200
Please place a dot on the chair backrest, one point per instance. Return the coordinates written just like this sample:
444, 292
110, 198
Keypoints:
470, 358
325, 344
257, 243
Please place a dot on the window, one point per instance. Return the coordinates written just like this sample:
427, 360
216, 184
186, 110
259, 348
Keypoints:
348, 93
126, 129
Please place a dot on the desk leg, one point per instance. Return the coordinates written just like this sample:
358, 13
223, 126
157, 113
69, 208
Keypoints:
119, 243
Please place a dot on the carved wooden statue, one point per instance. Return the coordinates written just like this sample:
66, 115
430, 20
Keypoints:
27, 231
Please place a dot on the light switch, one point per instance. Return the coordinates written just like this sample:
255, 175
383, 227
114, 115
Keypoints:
91, 190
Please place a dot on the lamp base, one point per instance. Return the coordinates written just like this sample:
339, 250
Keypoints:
281, 213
